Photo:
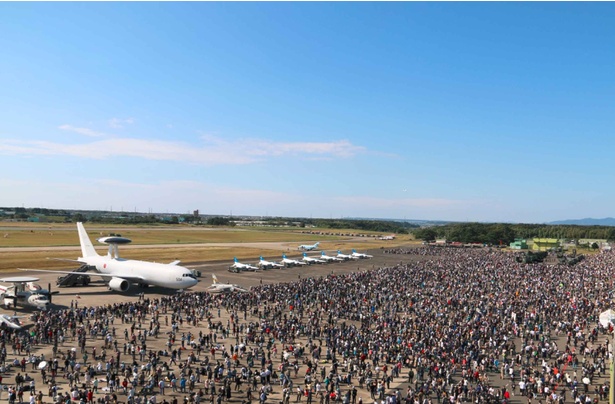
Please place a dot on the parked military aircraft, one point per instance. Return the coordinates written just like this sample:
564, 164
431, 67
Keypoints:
290, 262
311, 260
344, 257
309, 247
238, 266
327, 258
360, 255
22, 293
120, 273
217, 287
263, 264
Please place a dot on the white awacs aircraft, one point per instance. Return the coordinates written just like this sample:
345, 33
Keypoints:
307, 247
290, 262
310, 260
217, 287
360, 255
120, 272
327, 258
241, 267
268, 264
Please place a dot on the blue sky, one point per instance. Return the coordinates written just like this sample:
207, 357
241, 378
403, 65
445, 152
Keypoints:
451, 111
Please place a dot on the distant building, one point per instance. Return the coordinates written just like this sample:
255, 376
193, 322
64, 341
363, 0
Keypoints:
519, 244
544, 244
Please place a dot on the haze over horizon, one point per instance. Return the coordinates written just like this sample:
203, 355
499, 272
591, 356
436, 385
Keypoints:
492, 112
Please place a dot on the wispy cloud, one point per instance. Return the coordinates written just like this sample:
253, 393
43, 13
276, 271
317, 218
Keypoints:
119, 123
209, 150
338, 148
82, 131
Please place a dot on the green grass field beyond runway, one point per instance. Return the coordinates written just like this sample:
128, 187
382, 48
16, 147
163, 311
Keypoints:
42, 235
190, 243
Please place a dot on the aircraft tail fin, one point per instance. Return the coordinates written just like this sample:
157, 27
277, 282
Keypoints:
317, 243
235, 259
354, 251
261, 258
284, 256
87, 249
305, 254
215, 279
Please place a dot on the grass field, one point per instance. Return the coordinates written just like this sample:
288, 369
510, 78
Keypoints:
280, 240
63, 235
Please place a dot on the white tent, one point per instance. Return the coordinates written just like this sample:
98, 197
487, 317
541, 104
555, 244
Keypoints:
607, 317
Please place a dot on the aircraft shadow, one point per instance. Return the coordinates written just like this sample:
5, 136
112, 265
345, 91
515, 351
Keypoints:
101, 290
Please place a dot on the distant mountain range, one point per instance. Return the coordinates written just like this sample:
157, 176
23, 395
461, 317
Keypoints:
607, 221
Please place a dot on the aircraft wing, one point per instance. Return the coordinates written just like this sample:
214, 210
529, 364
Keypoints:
128, 277
4, 319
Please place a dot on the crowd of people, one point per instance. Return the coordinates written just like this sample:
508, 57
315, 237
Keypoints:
443, 325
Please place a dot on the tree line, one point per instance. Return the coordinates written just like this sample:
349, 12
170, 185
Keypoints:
505, 233
385, 226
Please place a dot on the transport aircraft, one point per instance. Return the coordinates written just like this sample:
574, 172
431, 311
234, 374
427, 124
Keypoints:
120, 273
311, 260
307, 247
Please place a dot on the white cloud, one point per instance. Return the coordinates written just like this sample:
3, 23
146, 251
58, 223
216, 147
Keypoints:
338, 148
82, 131
119, 123
211, 151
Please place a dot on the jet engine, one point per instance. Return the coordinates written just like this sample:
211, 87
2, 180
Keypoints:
119, 284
